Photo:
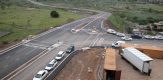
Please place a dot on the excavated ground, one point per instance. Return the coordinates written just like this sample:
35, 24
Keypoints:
83, 66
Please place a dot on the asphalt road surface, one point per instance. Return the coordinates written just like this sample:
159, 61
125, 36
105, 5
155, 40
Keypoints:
16, 57
91, 34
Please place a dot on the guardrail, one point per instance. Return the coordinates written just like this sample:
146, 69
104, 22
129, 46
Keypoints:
59, 67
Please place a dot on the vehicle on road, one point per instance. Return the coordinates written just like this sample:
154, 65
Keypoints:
40, 75
70, 49
111, 31
126, 38
158, 37
60, 55
138, 59
117, 44
149, 37
135, 36
120, 34
73, 30
51, 65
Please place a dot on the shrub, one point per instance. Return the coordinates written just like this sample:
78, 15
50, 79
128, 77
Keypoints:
4, 42
54, 14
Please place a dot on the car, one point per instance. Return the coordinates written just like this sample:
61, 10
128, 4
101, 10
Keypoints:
73, 30
120, 34
149, 37
158, 37
70, 49
60, 55
51, 65
111, 31
117, 44
126, 38
136, 36
40, 75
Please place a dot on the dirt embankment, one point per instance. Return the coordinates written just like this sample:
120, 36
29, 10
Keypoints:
83, 66
108, 25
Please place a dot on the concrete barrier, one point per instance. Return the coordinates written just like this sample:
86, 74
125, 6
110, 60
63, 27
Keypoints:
61, 65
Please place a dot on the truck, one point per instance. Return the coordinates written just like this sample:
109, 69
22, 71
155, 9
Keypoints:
138, 59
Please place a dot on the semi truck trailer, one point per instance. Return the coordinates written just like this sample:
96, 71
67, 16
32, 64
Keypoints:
138, 59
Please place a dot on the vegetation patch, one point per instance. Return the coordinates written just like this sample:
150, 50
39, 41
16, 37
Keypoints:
24, 21
117, 21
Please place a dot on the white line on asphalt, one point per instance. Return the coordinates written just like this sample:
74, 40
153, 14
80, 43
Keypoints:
95, 40
22, 66
10, 48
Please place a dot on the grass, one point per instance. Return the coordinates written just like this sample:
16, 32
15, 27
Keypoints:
23, 21
141, 11
117, 21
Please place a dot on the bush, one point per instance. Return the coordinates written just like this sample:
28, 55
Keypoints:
54, 14
4, 42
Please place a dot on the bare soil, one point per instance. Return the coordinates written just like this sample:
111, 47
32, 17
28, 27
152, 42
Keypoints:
108, 25
3, 46
83, 66
129, 73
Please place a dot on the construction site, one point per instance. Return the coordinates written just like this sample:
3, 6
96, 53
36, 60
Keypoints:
108, 64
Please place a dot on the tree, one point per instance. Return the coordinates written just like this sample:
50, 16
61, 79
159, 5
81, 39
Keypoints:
150, 20
54, 14
135, 18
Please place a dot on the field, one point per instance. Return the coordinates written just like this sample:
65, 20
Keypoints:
83, 66
24, 21
122, 10
137, 13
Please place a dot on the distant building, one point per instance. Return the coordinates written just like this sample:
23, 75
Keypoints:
150, 1
158, 26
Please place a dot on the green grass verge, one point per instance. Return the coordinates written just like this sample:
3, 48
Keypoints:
117, 21
22, 21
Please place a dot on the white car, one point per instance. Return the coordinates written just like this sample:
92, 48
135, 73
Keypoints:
120, 34
60, 55
117, 44
40, 75
149, 37
51, 65
126, 38
73, 30
159, 37
111, 31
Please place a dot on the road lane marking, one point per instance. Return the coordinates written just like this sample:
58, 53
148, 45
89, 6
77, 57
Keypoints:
18, 70
88, 24
95, 40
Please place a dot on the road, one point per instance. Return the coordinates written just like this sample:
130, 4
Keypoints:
14, 58
91, 34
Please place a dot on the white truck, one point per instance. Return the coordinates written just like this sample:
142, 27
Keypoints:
138, 59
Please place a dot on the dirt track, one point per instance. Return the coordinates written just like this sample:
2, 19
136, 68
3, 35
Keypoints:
83, 66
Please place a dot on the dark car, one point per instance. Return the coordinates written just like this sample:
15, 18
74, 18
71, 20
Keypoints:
136, 36
70, 49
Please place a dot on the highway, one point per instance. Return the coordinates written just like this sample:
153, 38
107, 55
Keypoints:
38, 53
16, 57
